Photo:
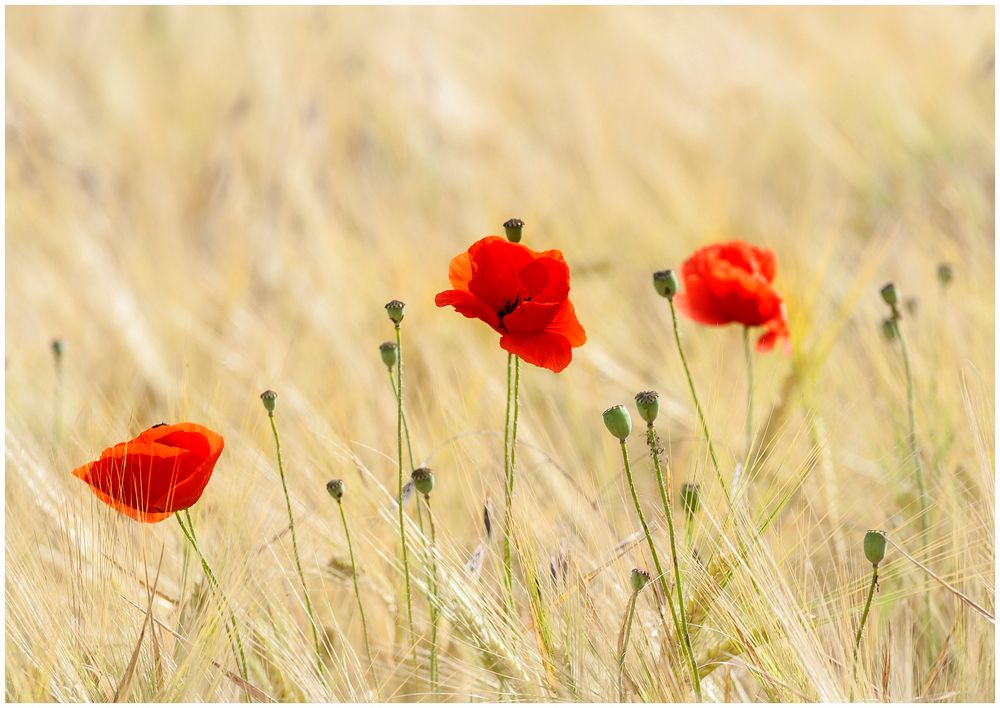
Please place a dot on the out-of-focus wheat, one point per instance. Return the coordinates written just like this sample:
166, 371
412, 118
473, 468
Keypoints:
203, 203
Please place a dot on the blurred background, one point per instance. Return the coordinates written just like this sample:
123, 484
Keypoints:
202, 203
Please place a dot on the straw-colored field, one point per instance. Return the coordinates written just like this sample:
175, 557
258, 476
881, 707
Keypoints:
206, 203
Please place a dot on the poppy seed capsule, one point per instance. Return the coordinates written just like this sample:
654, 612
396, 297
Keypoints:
666, 283
395, 310
638, 579
889, 328
890, 294
58, 348
945, 274
335, 488
690, 498
423, 480
269, 397
875, 543
389, 354
618, 422
648, 405
513, 228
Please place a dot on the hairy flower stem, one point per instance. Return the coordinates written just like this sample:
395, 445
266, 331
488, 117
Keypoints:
697, 404
629, 614
399, 457
696, 682
861, 625
295, 543
234, 636
510, 467
661, 483
357, 591
748, 355
434, 669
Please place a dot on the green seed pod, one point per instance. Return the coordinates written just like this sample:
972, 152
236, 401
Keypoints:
335, 488
395, 310
690, 498
875, 543
666, 283
618, 421
513, 228
423, 480
945, 274
889, 328
638, 579
58, 347
389, 354
269, 397
648, 404
890, 294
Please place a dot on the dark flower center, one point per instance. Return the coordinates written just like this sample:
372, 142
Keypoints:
509, 306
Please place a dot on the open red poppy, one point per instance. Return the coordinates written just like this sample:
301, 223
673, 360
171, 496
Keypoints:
163, 470
732, 282
522, 294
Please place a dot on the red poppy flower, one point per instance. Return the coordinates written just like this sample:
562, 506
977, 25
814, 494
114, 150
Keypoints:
522, 294
163, 470
732, 282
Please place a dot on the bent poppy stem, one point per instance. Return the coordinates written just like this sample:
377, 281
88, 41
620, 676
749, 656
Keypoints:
357, 591
409, 448
234, 637
748, 354
295, 543
399, 457
629, 614
696, 682
435, 613
510, 456
685, 635
697, 404
861, 624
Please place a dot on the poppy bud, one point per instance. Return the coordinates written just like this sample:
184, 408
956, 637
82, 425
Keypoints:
58, 348
268, 397
648, 404
638, 579
423, 480
666, 283
690, 498
513, 229
395, 310
335, 488
945, 274
389, 353
875, 542
618, 421
890, 294
889, 328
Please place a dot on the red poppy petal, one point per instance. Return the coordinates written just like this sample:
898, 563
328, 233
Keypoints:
546, 279
496, 263
548, 350
698, 303
566, 324
530, 317
460, 271
469, 305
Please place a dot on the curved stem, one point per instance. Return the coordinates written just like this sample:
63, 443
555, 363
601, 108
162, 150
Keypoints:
861, 625
434, 670
652, 550
357, 591
241, 659
629, 614
748, 355
685, 635
697, 404
295, 543
409, 447
399, 457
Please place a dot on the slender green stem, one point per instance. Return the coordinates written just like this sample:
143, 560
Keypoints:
656, 557
661, 483
510, 447
238, 652
629, 614
295, 542
399, 457
409, 447
357, 591
861, 624
434, 669
697, 404
748, 355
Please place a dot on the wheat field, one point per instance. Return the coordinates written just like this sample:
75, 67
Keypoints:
204, 203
